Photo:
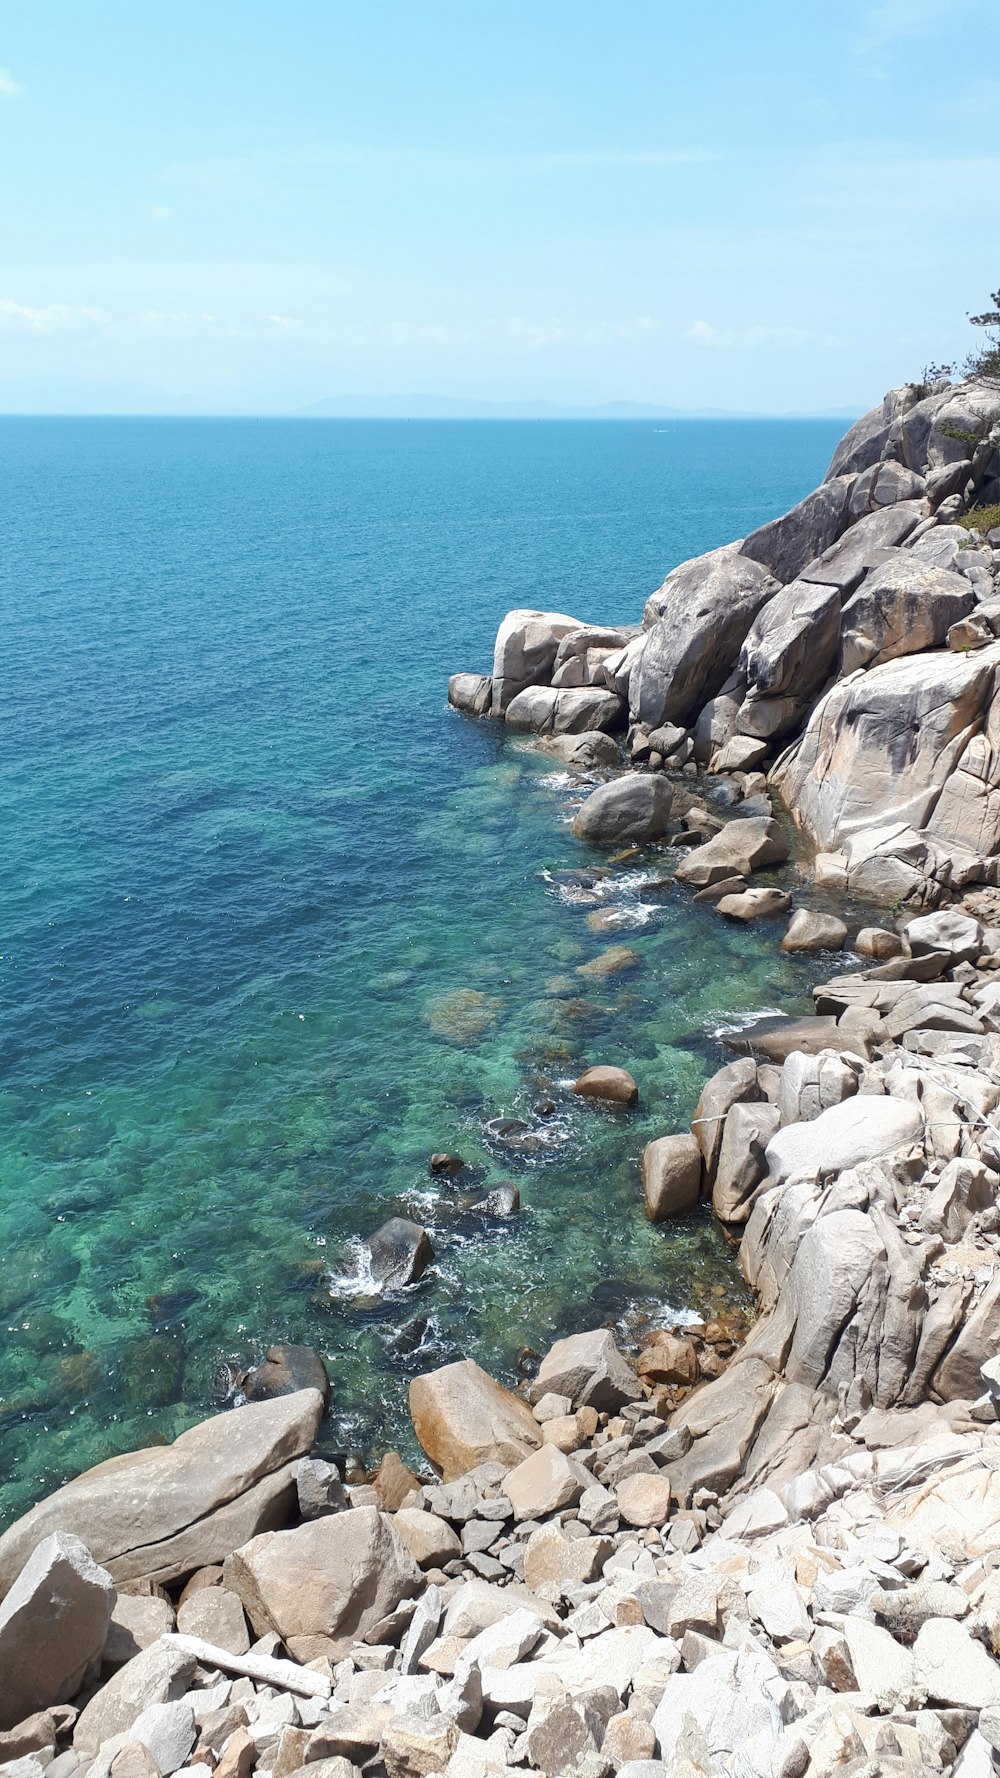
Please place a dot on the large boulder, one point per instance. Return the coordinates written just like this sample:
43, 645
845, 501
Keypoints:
786, 544
582, 655
463, 1418
697, 622
589, 1368
525, 652
742, 1165
869, 542
169, 1509
671, 1176
741, 847
736, 1084
399, 1253
53, 1627
546, 710
635, 806
903, 607
337, 1577
833, 1263
792, 643
159, 1675
881, 747
859, 1129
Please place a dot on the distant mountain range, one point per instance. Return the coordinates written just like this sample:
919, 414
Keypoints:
447, 407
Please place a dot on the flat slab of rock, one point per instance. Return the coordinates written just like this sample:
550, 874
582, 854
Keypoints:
544, 1482
754, 904
53, 1627
634, 807
337, 1577
774, 1039
169, 1509
462, 1418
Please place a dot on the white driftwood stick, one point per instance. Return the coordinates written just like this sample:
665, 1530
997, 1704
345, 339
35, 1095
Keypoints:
285, 1674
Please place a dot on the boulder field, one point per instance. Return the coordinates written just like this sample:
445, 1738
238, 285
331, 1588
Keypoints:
847, 650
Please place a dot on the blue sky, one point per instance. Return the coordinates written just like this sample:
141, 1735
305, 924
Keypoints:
255, 206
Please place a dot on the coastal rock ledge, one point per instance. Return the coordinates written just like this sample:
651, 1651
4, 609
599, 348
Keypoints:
848, 650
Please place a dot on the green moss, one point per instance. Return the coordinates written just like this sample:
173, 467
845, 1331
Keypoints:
981, 518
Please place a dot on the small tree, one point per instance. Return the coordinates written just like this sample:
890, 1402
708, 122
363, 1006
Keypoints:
986, 362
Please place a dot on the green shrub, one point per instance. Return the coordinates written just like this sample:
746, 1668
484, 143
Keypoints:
981, 518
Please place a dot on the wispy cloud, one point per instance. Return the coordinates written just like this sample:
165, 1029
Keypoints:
893, 20
49, 318
752, 339
9, 87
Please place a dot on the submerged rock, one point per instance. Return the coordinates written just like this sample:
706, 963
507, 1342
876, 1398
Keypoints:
284, 1370
613, 1084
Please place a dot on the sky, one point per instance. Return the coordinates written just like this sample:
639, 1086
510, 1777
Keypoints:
254, 207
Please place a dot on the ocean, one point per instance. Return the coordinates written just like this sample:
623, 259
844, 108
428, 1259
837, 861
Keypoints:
277, 924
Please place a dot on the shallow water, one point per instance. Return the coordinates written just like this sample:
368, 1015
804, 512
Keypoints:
277, 924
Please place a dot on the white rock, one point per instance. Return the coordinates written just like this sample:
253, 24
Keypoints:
953, 1667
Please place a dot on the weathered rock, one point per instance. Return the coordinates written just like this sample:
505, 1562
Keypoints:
732, 1085
671, 1176
157, 1676
644, 1500
955, 934
792, 644
170, 1509
550, 1558
543, 1483
463, 1418
697, 622
742, 1165
136, 1623
590, 1370
740, 848
430, 1540
564, 1729
810, 1085
858, 1129
319, 1488
471, 693
504, 1200
545, 710
399, 1253
415, 1746
53, 1626
337, 1577
895, 750
284, 1370
831, 1267
393, 1483
635, 807
773, 1039
585, 753
809, 931
786, 544
525, 652
668, 1359
216, 1615
612, 1084
754, 904
953, 1668
730, 1712
905, 606
877, 942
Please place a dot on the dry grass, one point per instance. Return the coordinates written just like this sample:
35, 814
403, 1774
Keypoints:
981, 518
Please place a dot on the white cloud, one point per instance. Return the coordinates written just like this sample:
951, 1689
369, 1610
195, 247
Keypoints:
751, 339
894, 20
51, 318
8, 85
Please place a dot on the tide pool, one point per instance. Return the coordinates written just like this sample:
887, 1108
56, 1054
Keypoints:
277, 924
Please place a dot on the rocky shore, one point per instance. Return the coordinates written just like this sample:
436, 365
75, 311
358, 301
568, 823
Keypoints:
775, 1556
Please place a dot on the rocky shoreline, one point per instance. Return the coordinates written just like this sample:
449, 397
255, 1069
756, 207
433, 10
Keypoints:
774, 1556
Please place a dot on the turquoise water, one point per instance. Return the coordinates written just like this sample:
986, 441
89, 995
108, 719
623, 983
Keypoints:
275, 920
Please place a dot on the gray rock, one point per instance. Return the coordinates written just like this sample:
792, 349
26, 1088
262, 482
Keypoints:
337, 1578
589, 1368
671, 1176
810, 1085
168, 1731
742, 1164
525, 652
810, 931
737, 850
635, 806
399, 1253
561, 1731
728, 1715
901, 608
157, 1676
697, 623
137, 1621
792, 644
547, 710
319, 1488
584, 753
953, 1668
216, 1615
732, 1085
957, 935
858, 1129
786, 544
170, 1509
753, 904
867, 544
471, 693
284, 1370
53, 1627
831, 1268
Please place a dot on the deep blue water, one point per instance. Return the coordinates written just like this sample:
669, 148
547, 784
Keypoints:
274, 924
